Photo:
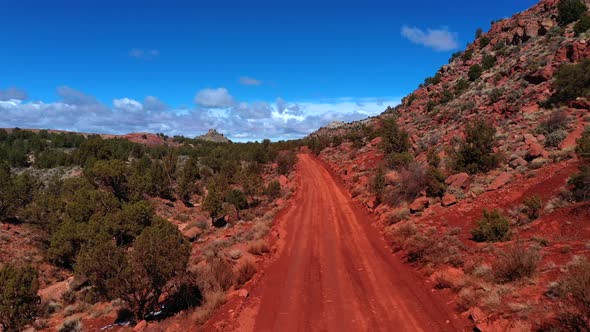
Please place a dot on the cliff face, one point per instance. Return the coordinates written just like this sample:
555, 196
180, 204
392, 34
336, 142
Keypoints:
518, 57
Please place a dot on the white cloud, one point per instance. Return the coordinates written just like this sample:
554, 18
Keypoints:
152, 103
214, 98
245, 80
241, 121
142, 54
12, 93
127, 104
437, 39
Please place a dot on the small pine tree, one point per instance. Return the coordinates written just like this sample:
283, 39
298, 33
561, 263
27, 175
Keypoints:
476, 153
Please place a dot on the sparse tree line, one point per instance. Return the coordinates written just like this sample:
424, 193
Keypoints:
101, 226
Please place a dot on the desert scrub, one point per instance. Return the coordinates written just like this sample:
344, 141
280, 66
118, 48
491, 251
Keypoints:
245, 272
533, 206
574, 289
258, 247
516, 262
492, 227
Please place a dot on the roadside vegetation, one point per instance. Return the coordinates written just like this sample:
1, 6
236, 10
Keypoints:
92, 201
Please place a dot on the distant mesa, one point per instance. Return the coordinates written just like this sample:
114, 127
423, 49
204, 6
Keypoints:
213, 136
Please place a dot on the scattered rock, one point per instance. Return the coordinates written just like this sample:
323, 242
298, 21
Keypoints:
449, 199
536, 150
419, 204
518, 162
500, 181
193, 233
460, 180
538, 162
391, 177
140, 326
283, 180
243, 293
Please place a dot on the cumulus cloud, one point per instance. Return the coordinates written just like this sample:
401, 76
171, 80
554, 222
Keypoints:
127, 104
152, 103
142, 54
245, 80
214, 98
77, 111
437, 39
12, 93
74, 97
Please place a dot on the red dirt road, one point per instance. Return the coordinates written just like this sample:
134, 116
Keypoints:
334, 272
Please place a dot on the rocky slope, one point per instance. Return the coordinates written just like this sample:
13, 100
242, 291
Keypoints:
213, 136
519, 57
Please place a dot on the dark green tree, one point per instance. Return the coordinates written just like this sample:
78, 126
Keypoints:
570, 11
238, 199
18, 296
476, 153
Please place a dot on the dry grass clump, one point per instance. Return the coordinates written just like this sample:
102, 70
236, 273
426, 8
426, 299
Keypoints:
575, 292
516, 262
258, 247
245, 272
213, 300
426, 247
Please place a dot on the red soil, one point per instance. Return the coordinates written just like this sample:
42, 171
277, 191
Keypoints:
334, 273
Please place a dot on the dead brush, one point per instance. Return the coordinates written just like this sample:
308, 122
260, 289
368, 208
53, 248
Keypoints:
245, 272
516, 262
258, 247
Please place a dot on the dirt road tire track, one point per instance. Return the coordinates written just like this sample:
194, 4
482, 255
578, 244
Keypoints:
335, 272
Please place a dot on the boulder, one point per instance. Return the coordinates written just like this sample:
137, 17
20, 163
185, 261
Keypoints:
536, 150
460, 180
283, 180
392, 177
500, 181
192, 233
140, 326
419, 204
518, 162
449, 199
243, 293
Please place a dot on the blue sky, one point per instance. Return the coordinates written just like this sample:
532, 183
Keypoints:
261, 68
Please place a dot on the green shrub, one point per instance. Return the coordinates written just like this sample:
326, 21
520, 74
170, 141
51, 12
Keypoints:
18, 296
286, 162
467, 55
398, 161
570, 11
558, 120
378, 185
493, 227
516, 262
581, 184
488, 62
461, 86
475, 72
393, 138
582, 25
555, 138
583, 147
476, 153
484, 41
571, 81
533, 206
273, 190
435, 183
